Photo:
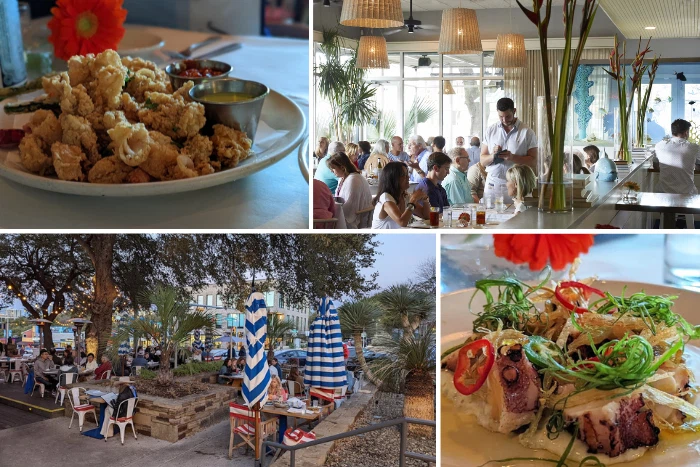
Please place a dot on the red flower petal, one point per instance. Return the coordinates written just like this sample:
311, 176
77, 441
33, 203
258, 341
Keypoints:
539, 249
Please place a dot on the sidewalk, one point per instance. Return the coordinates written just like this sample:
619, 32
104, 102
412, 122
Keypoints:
50, 442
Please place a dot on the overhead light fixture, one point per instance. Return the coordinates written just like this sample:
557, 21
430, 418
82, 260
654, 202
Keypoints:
372, 53
447, 87
510, 51
459, 32
372, 14
650, 27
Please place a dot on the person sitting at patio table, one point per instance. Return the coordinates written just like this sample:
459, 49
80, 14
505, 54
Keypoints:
58, 361
677, 160
103, 368
365, 151
11, 348
225, 370
353, 188
391, 211
140, 360
438, 166
295, 376
456, 184
90, 364
240, 364
275, 391
324, 204
323, 173
397, 154
43, 363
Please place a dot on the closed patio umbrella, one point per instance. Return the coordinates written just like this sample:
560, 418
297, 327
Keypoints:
325, 363
257, 373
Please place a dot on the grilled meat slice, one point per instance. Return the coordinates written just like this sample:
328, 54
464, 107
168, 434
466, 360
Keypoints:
613, 427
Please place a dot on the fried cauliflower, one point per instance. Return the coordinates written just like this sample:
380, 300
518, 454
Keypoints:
109, 170
130, 143
67, 161
231, 146
172, 115
33, 154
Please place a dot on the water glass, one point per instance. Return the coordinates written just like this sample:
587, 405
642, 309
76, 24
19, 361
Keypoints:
488, 202
314, 403
682, 262
500, 206
447, 217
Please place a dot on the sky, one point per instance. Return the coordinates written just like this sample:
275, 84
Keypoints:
400, 256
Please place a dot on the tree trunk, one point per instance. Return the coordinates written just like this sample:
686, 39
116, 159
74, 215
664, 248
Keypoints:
48, 336
357, 337
165, 374
419, 401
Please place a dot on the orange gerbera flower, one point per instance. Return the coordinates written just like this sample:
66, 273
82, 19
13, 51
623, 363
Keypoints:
80, 27
538, 249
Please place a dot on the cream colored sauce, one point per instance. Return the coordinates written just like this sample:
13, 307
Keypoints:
465, 442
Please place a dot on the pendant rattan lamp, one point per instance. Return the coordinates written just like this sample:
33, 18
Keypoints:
447, 88
510, 51
371, 53
372, 14
459, 32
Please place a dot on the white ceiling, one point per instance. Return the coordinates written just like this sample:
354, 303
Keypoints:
432, 5
672, 18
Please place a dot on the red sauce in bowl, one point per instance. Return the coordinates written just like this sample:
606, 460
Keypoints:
193, 71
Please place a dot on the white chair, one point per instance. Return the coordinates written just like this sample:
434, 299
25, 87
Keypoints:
122, 422
15, 372
80, 408
106, 375
295, 389
63, 381
42, 388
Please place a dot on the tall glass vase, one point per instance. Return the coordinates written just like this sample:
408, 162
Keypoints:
555, 184
624, 135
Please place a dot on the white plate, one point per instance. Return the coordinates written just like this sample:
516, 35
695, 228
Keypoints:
304, 158
278, 112
138, 40
464, 442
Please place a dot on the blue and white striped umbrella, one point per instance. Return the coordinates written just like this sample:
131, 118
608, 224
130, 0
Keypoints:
197, 344
325, 364
257, 373
123, 349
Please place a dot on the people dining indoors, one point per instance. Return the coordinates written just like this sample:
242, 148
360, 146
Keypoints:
353, 188
476, 175
520, 181
43, 363
506, 143
379, 156
417, 149
438, 144
677, 160
365, 151
592, 154
459, 141
353, 152
456, 184
324, 204
321, 148
438, 168
391, 210
474, 151
323, 173
397, 154
103, 368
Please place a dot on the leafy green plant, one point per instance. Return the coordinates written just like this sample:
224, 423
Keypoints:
194, 368
277, 328
422, 109
355, 318
147, 375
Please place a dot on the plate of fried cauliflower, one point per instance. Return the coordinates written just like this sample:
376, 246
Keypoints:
112, 126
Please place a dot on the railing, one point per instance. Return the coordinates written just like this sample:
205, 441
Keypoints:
403, 454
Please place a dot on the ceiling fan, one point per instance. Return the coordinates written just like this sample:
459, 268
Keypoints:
411, 25
327, 3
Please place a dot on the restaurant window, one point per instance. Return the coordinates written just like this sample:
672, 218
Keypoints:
231, 320
200, 299
219, 300
219, 321
210, 300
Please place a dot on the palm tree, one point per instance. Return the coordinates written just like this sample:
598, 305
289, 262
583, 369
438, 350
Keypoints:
405, 307
356, 318
169, 325
277, 327
422, 109
410, 365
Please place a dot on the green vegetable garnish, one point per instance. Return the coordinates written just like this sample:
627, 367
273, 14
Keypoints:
150, 105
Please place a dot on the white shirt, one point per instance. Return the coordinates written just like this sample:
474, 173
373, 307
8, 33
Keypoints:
474, 155
677, 158
273, 371
402, 157
388, 222
354, 189
518, 141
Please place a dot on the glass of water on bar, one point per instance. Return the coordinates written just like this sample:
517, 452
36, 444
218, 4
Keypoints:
682, 261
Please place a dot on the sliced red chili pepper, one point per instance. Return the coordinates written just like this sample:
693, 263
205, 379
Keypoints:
11, 137
464, 370
587, 291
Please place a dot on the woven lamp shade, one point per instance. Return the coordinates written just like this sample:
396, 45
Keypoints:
372, 53
447, 88
372, 14
459, 32
510, 51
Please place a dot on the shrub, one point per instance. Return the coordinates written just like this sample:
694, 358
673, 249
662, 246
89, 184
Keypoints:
193, 368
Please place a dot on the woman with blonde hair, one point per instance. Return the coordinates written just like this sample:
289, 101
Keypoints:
275, 392
520, 181
321, 148
353, 152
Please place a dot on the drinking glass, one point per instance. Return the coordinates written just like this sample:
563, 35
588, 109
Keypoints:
314, 403
500, 207
682, 262
488, 202
434, 217
447, 217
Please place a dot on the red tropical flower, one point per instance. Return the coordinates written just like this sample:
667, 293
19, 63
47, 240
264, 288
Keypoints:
538, 249
80, 27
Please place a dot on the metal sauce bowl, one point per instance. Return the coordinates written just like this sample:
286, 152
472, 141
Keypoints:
243, 116
174, 69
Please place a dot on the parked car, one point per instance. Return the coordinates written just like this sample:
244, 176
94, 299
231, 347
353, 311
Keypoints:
291, 357
219, 354
28, 352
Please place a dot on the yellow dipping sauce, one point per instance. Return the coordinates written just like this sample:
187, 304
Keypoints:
227, 97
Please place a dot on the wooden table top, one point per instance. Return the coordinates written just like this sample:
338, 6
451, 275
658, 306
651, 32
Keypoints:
271, 409
662, 202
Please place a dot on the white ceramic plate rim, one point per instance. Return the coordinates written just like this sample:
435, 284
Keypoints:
156, 43
274, 103
457, 334
304, 158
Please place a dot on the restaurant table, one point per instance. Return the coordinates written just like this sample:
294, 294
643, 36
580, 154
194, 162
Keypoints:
236, 380
667, 204
96, 432
275, 197
493, 220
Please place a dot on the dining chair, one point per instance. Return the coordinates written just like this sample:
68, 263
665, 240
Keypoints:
242, 423
365, 217
127, 419
373, 162
325, 223
80, 408
292, 387
106, 375
63, 381
42, 388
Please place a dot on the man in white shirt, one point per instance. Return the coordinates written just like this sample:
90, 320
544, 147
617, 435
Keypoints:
397, 153
474, 151
677, 159
418, 151
506, 143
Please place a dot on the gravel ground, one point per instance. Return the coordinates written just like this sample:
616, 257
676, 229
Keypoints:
379, 448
